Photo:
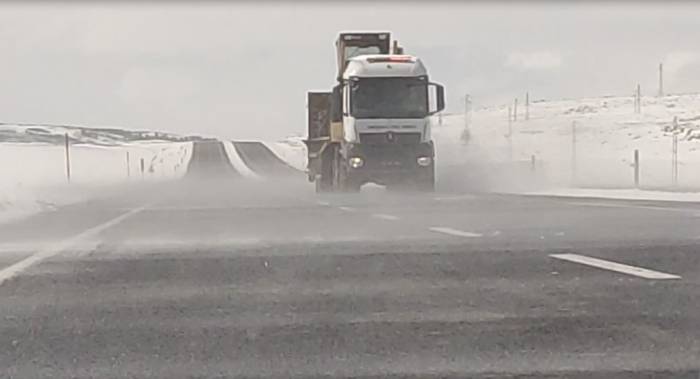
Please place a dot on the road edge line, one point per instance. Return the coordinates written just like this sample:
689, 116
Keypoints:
17, 268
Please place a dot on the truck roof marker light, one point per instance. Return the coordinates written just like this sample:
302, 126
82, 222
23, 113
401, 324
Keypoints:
391, 59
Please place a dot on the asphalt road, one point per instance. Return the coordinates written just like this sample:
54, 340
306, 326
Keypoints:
208, 160
265, 279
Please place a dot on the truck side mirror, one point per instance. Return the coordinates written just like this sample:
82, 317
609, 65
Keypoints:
337, 104
440, 97
439, 94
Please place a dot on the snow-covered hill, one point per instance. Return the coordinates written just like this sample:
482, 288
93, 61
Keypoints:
55, 134
601, 152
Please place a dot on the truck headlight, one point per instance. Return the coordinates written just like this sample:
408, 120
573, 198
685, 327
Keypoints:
356, 162
424, 161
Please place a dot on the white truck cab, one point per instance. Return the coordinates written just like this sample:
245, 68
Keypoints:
386, 94
375, 124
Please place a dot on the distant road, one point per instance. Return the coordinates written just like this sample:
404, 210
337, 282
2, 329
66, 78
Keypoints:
262, 160
209, 160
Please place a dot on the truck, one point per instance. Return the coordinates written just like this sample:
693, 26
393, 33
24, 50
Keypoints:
374, 125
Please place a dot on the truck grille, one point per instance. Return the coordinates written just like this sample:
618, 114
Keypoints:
390, 138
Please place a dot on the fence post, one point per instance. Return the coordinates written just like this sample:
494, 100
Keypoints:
465, 137
674, 161
527, 106
143, 165
636, 168
467, 110
573, 153
515, 109
510, 133
661, 79
67, 143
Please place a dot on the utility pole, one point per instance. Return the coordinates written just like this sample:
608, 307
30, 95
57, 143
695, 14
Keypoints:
661, 79
638, 100
515, 109
128, 165
527, 105
67, 157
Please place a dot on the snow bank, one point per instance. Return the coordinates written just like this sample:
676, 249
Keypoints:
291, 150
620, 194
34, 174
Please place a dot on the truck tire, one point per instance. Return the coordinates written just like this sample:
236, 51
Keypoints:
426, 185
325, 181
320, 186
426, 181
346, 183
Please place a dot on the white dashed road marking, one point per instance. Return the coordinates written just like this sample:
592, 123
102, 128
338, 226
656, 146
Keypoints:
454, 232
11, 271
385, 216
323, 203
614, 266
347, 209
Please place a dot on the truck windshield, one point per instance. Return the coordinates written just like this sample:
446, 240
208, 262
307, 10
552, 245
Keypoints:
389, 98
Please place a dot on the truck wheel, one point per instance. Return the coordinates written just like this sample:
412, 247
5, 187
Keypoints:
346, 182
320, 187
426, 186
325, 181
426, 182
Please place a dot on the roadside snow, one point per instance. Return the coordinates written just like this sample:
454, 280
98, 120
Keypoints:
619, 194
292, 150
607, 133
34, 174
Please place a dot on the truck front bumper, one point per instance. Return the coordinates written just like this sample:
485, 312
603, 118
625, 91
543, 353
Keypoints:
390, 163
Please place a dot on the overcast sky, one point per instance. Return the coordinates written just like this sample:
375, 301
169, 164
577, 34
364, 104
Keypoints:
241, 70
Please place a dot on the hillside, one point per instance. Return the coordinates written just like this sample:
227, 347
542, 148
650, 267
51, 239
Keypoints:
55, 134
597, 152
